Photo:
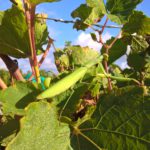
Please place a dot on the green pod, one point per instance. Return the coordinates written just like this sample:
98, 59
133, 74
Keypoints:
64, 84
123, 79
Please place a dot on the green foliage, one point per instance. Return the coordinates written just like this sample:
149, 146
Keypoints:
139, 51
40, 129
139, 44
88, 13
15, 98
138, 23
4, 74
79, 110
73, 56
120, 10
36, 2
93, 11
14, 39
8, 130
120, 121
82, 55
116, 51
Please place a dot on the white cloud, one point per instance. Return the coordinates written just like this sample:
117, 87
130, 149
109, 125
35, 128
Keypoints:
84, 39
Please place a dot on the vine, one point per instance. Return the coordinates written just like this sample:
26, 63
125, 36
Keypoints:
91, 103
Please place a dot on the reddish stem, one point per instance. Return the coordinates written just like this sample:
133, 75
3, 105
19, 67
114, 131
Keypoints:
103, 28
35, 62
44, 55
30, 19
106, 51
12, 66
46, 51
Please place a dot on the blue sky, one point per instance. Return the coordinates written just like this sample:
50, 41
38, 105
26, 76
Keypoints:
65, 32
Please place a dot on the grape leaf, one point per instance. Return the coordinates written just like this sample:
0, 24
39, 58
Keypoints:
136, 61
120, 10
17, 3
71, 99
138, 23
93, 36
40, 129
138, 44
89, 13
14, 40
8, 130
81, 55
137, 57
15, 98
116, 51
61, 60
121, 121
36, 2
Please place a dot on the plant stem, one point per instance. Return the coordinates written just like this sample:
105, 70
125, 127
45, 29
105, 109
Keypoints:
12, 66
30, 18
35, 62
106, 51
46, 51
2, 84
44, 55
121, 79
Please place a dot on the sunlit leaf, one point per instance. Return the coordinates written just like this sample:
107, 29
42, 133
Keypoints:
14, 40
138, 44
40, 129
36, 2
89, 13
138, 23
120, 10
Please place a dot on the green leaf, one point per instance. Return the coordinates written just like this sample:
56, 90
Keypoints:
120, 122
116, 51
40, 129
136, 61
138, 23
71, 98
93, 36
17, 3
61, 60
36, 2
139, 44
82, 55
120, 10
82, 12
15, 98
14, 40
89, 13
137, 56
8, 130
